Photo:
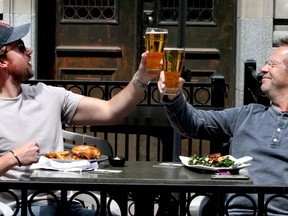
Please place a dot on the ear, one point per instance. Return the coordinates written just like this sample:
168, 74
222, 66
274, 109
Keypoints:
3, 63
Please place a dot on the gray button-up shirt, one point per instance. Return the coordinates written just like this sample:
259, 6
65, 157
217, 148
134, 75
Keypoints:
256, 130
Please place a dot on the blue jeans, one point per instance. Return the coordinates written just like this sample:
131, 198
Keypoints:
76, 209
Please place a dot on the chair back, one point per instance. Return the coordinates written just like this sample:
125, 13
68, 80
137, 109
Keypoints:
72, 138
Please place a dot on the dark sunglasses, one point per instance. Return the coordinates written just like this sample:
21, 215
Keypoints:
17, 45
21, 46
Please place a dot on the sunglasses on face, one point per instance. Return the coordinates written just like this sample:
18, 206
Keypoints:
16, 45
20, 46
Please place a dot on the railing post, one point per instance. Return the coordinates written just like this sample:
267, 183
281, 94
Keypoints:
252, 84
218, 90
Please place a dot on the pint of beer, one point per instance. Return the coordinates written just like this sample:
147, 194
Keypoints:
155, 41
173, 62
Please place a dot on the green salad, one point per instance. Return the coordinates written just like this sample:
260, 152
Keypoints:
214, 160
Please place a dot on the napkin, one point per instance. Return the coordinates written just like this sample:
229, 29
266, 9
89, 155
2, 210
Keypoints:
69, 166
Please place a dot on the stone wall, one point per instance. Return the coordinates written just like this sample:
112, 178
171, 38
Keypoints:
260, 24
18, 12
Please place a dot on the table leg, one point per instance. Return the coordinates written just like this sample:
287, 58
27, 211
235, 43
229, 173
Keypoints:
220, 203
144, 203
64, 203
122, 200
103, 198
24, 208
168, 204
182, 203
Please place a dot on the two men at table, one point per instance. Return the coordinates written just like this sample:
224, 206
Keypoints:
256, 130
32, 116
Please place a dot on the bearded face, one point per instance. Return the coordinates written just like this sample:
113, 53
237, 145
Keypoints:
18, 57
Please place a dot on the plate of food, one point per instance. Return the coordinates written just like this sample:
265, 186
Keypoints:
79, 152
216, 162
100, 159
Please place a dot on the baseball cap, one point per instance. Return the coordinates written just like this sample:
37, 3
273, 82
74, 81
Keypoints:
10, 34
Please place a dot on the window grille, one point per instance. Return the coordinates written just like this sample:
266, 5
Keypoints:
96, 11
198, 11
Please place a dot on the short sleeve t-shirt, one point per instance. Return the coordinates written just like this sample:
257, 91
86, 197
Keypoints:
36, 114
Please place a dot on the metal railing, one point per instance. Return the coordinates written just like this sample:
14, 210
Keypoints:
203, 95
217, 192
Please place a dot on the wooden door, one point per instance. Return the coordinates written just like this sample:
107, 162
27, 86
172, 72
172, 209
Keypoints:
103, 39
95, 40
209, 38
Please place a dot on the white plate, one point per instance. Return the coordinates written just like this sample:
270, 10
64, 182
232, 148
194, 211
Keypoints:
102, 158
185, 161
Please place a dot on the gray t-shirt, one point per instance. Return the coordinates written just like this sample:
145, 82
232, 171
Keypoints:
36, 114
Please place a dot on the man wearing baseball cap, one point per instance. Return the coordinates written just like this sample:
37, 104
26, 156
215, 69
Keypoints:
34, 114
19, 70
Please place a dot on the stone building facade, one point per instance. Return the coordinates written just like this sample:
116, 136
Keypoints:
260, 23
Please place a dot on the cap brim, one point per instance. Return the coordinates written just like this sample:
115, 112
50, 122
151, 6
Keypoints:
18, 33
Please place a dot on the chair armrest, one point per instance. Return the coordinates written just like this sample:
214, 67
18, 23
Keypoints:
5, 209
197, 205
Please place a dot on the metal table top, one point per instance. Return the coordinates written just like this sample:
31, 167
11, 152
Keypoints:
137, 172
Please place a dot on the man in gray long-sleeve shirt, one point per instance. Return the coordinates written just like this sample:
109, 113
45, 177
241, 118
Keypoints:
256, 130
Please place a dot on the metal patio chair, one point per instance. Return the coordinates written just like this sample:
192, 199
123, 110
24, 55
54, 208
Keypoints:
70, 140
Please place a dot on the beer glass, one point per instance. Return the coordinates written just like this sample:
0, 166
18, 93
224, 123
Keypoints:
155, 41
173, 62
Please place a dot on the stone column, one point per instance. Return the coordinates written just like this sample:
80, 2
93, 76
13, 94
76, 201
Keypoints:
18, 12
254, 38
